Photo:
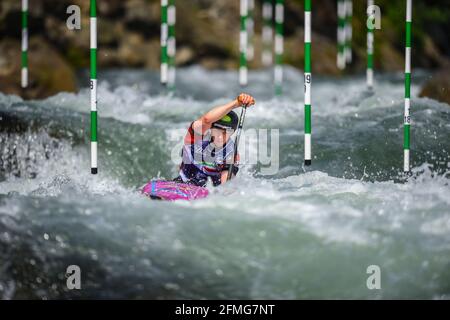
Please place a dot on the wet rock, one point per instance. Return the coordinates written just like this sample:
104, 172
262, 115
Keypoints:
433, 57
390, 59
323, 53
438, 87
185, 56
132, 50
111, 32
49, 73
152, 56
207, 33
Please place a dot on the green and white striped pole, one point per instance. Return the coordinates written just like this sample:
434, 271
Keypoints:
370, 41
308, 80
250, 29
267, 33
171, 43
243, 42
24, 56
348, 31
341, 10
164, 36
93, 36
407, 119
279, 46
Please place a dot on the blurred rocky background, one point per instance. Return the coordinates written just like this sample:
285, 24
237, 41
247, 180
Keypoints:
207, 34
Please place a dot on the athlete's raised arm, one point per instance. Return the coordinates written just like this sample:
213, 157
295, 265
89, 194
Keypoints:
204, 122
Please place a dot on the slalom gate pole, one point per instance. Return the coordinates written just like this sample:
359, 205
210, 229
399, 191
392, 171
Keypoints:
267, 33
348, 31
370, 42
279, 46
93, 86
24, 55
341, 10
171, 44
250, 29
164, 37
407, 118
243, 43
308, 80
236, 142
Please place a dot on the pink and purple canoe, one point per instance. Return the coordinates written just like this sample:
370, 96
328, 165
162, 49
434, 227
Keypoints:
171, 191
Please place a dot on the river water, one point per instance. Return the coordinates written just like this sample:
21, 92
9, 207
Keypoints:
296, 233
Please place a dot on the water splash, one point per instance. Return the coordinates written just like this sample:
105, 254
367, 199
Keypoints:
301, 233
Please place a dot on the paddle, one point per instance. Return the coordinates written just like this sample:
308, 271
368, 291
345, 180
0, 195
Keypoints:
236, 142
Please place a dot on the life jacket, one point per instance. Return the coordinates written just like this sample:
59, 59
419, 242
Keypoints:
201, 159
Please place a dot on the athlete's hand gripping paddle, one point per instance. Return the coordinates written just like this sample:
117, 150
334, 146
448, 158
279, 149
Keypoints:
236, 142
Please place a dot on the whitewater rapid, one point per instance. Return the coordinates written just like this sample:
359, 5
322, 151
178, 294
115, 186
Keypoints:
301, 232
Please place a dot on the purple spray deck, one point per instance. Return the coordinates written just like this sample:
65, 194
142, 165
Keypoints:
171, 190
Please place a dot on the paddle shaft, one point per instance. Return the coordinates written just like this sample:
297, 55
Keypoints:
236, 143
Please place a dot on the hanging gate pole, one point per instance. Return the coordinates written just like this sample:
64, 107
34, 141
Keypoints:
171, 44
348, 31
341, 10
308, 82
250, 29
93, 86
24, 56
243, 43
407, 118
370, 41
267, 33
164, 36
279, 46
